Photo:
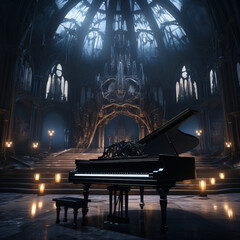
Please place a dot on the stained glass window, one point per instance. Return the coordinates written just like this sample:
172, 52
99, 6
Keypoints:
213, 81
147, 45
173, 34
60, 3
57, 86
177, 4
238, 72
185, 88
73, 19
93, 41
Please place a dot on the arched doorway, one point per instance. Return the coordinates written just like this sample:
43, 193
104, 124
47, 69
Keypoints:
54, 121
121, 128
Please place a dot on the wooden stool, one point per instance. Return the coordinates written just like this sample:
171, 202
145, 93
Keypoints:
69, 202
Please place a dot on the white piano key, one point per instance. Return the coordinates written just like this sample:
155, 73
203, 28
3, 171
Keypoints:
110, 175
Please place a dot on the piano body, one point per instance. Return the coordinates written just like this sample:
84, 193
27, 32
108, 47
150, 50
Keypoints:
152, 162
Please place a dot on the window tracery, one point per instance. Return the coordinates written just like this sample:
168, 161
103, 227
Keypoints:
146, 43
57, 86
60, 3
173, 34
93, 41
185, 88
73, 20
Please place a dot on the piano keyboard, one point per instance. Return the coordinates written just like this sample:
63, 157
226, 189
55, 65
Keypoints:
127, 175
109, 175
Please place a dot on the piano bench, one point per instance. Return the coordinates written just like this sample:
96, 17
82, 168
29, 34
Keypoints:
70, 202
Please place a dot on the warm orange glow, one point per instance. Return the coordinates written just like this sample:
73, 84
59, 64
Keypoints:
212, 181
215, 207
33, 209
221, 175
41, 188
199, 132
57, 177
40, 204
35, 145
50, 133
228, 144
8, 144
230, 213
226, 207
37, 176
202, 184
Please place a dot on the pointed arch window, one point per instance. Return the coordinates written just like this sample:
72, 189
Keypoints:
238, 72
25, 80
57, 86
184, 87
73, 20
213, 81
93, 41
146, 42
174, 36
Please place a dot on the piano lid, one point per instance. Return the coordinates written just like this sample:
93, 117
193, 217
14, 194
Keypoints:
168, 139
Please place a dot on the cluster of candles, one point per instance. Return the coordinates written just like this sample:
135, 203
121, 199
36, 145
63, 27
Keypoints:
41, 186
203, 185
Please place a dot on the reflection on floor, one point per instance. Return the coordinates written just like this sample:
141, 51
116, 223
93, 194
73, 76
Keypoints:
24, 216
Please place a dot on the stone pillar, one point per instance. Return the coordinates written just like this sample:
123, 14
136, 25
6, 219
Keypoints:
8, 72
101, 135
229, 93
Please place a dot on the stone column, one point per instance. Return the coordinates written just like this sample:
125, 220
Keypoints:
229, 93
101, 135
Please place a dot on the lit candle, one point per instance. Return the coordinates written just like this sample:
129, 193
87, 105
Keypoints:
41, 189
202, 184
37, 176
57, 177
221, 175
212, 181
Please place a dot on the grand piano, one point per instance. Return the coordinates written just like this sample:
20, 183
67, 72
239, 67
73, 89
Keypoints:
153, 161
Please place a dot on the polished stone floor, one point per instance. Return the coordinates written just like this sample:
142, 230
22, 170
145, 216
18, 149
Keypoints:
25, 216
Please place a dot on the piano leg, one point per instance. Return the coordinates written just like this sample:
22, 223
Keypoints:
141, 204
163, 205
86, 194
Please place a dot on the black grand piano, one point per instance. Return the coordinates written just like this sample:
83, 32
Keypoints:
153, 161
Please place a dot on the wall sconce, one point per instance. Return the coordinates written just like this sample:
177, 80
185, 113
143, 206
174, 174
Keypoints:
202, 185
35, 145
212, 181
198, 133
37, 176
57, 177
41, 188
8, 144
221, 175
